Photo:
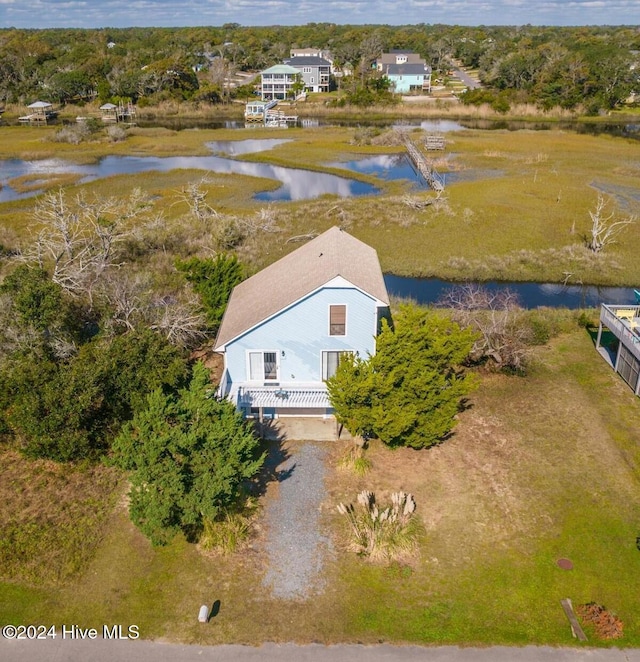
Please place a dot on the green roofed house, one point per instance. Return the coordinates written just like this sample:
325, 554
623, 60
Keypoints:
278, 82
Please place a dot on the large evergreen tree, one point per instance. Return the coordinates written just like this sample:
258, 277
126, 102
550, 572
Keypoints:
213, 279
409, 392
189, 455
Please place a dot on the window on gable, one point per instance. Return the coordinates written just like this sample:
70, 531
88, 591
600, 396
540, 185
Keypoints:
330, 363
263, 366
338, 320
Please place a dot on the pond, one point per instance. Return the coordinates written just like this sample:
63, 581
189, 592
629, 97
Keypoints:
531, 295
295, 184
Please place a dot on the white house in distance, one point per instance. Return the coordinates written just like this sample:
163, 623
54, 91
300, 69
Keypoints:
285, 329
277, 82
407, 71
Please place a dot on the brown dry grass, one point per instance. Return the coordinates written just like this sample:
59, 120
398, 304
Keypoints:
52, 516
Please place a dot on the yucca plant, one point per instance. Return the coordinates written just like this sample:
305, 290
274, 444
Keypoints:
381, 534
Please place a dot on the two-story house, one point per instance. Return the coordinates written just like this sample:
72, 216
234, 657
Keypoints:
286, 328
407, 71
278, 82
316, 71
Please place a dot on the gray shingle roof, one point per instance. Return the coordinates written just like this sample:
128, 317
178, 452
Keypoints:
333, 253
391, 58
406, 69
307, 60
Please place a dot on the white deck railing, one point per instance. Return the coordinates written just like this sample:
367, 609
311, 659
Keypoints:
621, 327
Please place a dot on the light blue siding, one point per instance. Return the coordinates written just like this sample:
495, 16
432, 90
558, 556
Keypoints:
300, 334
404, 83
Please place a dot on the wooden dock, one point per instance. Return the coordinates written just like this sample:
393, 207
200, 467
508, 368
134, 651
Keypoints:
426, 169
278, 118
42, 113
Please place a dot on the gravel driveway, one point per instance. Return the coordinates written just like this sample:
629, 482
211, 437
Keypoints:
295, 546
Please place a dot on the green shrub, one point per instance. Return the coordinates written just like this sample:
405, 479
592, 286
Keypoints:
585, 320
540, 330
190, 456
410, 391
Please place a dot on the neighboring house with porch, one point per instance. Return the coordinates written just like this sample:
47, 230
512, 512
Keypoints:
316, 71
623, 354
408, 72
278, 82
286, 328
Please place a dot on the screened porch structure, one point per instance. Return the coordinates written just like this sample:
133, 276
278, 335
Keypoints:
623, 355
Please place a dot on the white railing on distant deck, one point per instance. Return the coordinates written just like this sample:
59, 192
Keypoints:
621, 327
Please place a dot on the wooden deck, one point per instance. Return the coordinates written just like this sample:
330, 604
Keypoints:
624, 327
624, 356
434, 142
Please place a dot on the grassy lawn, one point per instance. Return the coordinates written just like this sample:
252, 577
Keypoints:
540, 468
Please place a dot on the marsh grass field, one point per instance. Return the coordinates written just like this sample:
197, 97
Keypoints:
540, 467
517, 208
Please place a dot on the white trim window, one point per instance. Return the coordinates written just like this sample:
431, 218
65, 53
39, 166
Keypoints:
330, 362
338, 319
262, 366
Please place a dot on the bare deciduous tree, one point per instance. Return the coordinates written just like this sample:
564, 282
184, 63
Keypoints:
604, 227
195, 197
77, 240
128, 298
133, 304
498, 317
224, 230
180, 322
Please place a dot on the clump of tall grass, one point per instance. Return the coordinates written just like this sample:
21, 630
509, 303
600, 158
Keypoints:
570, 264
365, 135
382, 534
225, 535
355, 461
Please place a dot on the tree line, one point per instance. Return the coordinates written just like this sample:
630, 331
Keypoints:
592, 68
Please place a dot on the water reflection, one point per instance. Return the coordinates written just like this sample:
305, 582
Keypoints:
295, 184
434, 126
238, 147
400, 166
384, 166
531, 295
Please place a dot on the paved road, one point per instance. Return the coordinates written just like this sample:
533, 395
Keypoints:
99, 650
466, 79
